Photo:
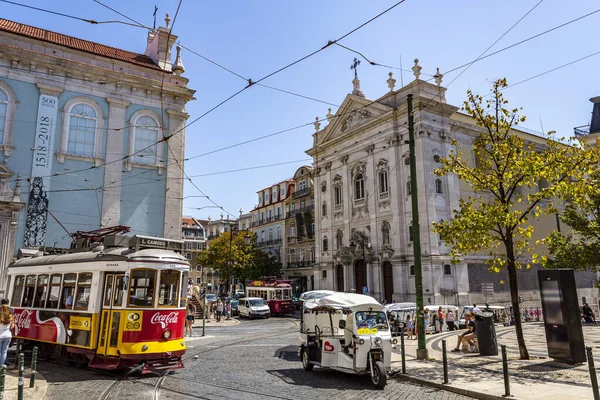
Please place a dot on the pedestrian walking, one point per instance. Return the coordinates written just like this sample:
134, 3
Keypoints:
450, 320
441, 319
426, 319
219, 310
410, 327
7, 324
190, 312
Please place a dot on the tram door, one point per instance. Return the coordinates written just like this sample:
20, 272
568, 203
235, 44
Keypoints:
112, 312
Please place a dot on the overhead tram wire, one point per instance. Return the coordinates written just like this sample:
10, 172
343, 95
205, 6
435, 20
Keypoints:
250, 83
90, 21
376, 64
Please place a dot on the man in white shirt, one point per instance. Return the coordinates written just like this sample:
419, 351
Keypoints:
476, 310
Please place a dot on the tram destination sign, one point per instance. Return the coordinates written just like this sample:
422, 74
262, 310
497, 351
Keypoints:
141, 242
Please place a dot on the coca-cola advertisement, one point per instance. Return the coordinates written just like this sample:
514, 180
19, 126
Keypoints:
53, 326
149, 325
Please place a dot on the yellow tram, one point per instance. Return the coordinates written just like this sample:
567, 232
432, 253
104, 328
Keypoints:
119, 304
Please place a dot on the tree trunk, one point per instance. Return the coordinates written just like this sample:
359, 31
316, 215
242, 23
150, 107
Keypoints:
514, 296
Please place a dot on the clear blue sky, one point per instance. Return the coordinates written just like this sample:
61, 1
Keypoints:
255, 38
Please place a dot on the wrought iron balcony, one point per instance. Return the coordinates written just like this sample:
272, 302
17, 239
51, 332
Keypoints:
302, 192
581, 130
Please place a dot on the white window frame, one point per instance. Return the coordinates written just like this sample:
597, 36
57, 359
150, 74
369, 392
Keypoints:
274, 195
11, 109
160, 162
359, 187
63, 152
439, 186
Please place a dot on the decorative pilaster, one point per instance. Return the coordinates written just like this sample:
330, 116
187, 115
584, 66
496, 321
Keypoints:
174, 178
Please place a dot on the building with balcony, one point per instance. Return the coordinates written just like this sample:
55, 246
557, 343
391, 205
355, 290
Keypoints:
268, 218
299, 230
363, 214
193, 233
78, 116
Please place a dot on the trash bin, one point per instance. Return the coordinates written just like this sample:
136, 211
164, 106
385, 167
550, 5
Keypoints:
486, 334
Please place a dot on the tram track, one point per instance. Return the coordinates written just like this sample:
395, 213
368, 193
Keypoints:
157, 386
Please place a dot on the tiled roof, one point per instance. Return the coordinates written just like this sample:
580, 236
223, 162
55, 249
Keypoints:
78, 44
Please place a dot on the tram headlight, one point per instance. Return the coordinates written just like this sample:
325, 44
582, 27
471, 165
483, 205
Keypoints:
166, 334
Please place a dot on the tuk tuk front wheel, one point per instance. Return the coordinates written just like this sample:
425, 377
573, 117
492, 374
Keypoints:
378, 376
305, 360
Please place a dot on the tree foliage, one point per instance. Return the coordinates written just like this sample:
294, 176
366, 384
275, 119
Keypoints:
579, 249
514, 181
249, 262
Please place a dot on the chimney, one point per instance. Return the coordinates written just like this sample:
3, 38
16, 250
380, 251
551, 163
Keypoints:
595, 124
157, 47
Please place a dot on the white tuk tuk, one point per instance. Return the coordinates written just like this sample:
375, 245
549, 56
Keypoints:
346, 332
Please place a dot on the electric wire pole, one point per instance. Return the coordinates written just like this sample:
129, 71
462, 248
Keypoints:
422, 345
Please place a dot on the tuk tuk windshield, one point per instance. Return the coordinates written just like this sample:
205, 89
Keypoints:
371, 320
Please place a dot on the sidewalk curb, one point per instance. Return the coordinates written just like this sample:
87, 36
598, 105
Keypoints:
469, 393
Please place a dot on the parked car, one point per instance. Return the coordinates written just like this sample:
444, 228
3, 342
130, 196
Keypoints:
235, 307
253, 307
210, 297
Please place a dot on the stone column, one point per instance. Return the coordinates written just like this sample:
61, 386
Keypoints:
174, 190
115, 143
369, 278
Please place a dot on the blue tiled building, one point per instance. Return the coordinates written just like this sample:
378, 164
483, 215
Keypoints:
81, 129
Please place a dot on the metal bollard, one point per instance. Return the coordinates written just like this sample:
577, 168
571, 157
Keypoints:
505, 373
17, 352
21, 372
403, 352
33, 367
445, 361
593, 377
2, 379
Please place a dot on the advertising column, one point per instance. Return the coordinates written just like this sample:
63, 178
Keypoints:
41, 167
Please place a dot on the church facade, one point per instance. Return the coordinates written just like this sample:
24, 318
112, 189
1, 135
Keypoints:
363, 213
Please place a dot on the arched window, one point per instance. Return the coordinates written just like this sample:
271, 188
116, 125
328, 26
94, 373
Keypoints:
278, 232
359, 187
145, 142
325, 244
3, 114
438, 186
447, 269
82, 130
293, 231
8, 107
83, 124
408, 188
324, 210
383, 182
385, 233
339, 239
144, 148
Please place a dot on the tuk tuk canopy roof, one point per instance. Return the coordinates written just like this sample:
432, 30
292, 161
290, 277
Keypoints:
339, 300
398, 307
314, 294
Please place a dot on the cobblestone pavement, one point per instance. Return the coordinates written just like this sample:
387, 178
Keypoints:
251, 360
540, 367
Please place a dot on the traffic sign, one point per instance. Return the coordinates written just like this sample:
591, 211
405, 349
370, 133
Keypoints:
365, 289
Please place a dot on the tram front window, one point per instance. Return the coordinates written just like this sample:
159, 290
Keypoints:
169, 288
141, 288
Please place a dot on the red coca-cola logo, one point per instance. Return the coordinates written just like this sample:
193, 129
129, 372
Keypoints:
328, 347
164, 319
23, 320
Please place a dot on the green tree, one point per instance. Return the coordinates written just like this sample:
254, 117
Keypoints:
249, 262
498, 218
579, 249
